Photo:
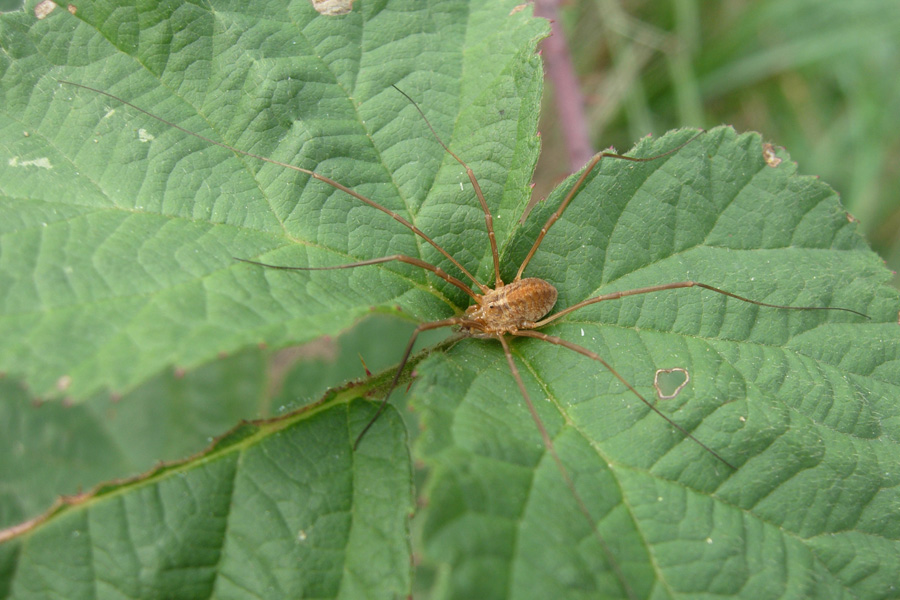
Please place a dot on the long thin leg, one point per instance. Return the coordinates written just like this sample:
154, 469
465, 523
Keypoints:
376, 261
594, 356
488, 218
678, 285
312, 174
565, 203
409, 346
548, 444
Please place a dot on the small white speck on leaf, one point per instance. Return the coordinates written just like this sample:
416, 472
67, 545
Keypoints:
63, 383
332, 8
42, 9
145, 136
41, 163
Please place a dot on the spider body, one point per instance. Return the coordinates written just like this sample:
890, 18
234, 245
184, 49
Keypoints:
508, 308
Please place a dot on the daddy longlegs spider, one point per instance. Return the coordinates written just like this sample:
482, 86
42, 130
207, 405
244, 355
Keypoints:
517, 309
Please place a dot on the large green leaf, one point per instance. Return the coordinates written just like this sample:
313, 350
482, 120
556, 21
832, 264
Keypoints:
119, 233
57, 448
276, 510
117, 240
802, 403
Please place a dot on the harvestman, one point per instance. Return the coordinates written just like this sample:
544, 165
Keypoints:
517, 308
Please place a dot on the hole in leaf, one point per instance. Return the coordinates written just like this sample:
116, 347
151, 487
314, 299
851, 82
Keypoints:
669, 382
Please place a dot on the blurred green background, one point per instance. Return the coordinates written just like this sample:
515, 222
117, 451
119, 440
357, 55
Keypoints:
820, 78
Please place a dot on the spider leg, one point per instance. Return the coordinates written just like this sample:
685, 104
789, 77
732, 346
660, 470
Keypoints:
548, 443
409, 346
376, 261
488, 218
336, 185
540, 335
587, 171
679, 285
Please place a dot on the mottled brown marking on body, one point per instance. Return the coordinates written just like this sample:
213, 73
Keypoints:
510, 307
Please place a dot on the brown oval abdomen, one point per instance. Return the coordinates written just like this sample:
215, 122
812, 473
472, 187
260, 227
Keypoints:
513, 306
530, 299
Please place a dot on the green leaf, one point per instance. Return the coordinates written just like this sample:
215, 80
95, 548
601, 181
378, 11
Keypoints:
117, 238
120, 232
58, 448
278, 509
801, 402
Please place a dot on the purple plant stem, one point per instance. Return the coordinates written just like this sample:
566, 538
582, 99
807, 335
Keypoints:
569, 101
